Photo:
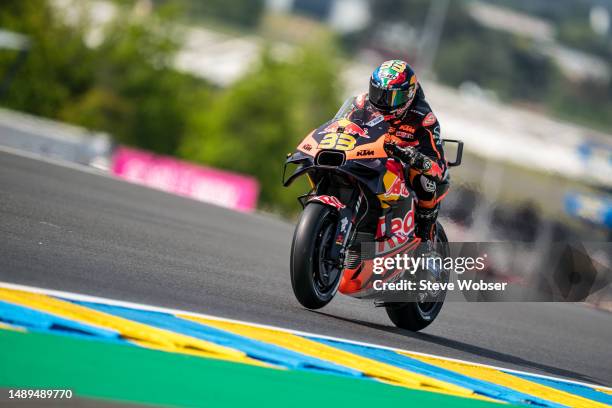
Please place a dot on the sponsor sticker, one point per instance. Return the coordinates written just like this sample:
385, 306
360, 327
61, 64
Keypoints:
404, 134
375, 121
429, 120
407, 128
343, 224
361, 153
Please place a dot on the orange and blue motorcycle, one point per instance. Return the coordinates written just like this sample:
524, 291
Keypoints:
358, 208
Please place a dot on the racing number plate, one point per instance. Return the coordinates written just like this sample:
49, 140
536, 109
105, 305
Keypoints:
338, 141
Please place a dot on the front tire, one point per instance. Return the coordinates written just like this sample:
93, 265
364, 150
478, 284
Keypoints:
313, 278
415, 316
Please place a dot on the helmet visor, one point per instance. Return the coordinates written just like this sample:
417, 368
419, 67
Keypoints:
388, 98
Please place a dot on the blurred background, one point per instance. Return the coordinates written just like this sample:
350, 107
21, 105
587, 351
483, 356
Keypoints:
175, 92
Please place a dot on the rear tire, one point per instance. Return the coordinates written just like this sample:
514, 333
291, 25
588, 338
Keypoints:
313, 234
415, 316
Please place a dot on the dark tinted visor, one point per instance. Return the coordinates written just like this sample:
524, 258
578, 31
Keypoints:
386, 98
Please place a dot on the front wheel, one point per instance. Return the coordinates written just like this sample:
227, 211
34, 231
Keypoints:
314, 277
415, 316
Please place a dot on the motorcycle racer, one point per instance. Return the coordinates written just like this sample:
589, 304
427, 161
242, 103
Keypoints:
414, 137
377, 174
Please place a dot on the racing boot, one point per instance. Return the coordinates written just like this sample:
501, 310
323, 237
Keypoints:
425, 220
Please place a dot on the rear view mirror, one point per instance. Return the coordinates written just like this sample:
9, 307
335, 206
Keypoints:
456, 150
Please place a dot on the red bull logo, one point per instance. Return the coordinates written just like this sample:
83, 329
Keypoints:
394, 181
347, 127
401, 229
398, 188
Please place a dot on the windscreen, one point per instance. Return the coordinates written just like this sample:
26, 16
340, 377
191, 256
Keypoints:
362, 116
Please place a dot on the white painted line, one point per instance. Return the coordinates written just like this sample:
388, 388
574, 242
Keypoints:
140, 306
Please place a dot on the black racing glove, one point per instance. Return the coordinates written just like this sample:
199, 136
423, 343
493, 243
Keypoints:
410, 156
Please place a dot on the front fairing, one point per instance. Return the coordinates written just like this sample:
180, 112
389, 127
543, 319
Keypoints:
359, 134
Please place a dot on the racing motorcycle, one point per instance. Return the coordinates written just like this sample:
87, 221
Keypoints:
358, 208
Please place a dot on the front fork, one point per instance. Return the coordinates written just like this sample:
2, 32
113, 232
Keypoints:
346, 226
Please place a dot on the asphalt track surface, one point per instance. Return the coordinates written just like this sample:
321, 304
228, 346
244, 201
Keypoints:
66, 229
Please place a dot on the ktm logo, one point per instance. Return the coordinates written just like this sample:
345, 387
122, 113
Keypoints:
407, 128
365, 153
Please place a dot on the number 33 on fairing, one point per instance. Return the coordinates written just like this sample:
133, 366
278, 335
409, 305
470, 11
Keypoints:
338, 142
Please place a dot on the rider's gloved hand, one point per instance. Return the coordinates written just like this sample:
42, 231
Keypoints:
409, 155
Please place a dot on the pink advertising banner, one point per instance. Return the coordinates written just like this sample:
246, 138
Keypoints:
206, 184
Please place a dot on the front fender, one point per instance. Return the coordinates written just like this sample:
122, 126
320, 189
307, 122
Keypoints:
328, 200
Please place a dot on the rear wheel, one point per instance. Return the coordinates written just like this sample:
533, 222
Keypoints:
314, 277
416, 316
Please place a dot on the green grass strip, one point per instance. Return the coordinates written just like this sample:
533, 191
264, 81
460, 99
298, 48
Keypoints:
98, 369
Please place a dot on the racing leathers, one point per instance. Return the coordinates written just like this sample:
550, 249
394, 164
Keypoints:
414, 139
